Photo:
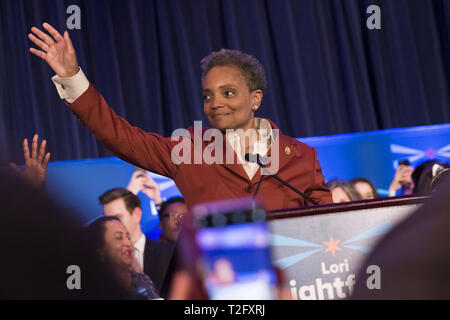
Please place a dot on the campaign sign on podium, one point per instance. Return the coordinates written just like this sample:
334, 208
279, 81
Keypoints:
321, 249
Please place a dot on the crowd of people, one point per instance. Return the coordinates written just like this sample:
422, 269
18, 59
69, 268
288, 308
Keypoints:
139, 264
116, 241
120, 261
425, 179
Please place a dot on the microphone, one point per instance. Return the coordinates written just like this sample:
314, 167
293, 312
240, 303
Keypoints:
256, 158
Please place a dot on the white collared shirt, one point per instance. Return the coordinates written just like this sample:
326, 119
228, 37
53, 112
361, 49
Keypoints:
71, 88
139, 251
261, 146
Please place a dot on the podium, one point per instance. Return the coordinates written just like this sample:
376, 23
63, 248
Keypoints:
321, 249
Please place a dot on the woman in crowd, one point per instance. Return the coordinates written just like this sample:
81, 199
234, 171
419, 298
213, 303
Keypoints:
365, 188
110, 243
342, 191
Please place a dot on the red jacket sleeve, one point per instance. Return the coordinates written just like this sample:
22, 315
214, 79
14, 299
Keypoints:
146, 150
317, 191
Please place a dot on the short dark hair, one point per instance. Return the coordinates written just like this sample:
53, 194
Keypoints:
95, 232
250, 67
131, 200
167, 203
364, 180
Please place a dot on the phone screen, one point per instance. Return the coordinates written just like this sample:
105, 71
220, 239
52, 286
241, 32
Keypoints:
236, 260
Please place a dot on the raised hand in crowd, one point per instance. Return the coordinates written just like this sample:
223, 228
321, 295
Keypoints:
141, 181
57, 50
35, 170
151, 189
402, 180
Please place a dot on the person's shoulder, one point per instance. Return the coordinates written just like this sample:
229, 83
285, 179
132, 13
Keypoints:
302, 148
288, 140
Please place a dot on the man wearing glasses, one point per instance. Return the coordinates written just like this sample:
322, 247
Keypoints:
171, 215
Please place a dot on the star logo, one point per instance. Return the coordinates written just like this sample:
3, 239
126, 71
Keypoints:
284, 262
414, 155
332, 245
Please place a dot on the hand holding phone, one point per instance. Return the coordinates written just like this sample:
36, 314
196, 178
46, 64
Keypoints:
234, 258
402, 178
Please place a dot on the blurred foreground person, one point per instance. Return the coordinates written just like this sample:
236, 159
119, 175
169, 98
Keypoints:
110, 240
414, 258
227, 260
186, 282
42, 244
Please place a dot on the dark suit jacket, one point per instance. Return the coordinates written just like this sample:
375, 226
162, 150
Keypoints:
204, 182
156, 260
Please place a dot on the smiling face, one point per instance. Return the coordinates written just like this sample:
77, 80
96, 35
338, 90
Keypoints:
117, 250
227, 101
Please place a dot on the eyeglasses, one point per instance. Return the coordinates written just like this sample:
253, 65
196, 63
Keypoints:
175, 216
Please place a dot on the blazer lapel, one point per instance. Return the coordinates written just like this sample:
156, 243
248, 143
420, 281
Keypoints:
235, 166
284, 153
232, 165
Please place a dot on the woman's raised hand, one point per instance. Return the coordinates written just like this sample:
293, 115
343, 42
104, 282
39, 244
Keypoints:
57, 51
36, 164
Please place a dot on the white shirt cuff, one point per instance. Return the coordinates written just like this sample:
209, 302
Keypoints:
71, 88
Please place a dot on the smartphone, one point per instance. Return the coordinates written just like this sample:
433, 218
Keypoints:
234, 259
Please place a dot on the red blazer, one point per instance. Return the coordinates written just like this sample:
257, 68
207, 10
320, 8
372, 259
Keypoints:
199, 183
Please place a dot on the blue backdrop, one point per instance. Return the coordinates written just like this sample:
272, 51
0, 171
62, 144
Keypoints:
373, 155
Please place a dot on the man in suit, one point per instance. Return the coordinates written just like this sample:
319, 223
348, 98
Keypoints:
152, 257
